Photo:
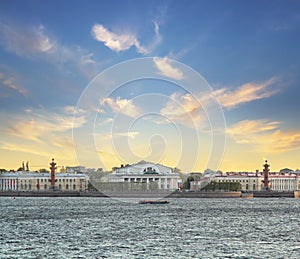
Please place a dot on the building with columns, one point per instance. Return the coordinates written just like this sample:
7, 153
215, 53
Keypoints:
150, 175
32, 181
250, 181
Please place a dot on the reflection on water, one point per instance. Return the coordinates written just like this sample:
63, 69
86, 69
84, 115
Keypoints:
185, 228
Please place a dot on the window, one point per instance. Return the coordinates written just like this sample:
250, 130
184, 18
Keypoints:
67, 187
74, 186
45, 186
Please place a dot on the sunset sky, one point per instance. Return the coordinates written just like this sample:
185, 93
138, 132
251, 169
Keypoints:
189, 84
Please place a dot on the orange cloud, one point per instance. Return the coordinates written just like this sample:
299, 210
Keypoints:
40, 125
246, 93
264, 136
184, 109
123, 106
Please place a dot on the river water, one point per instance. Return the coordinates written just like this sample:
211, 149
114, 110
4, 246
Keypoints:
185, 228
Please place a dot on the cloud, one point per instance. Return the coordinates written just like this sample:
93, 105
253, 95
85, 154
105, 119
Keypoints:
33, 42
71, 110
247, 127
124, 41
26, 41
10, 82
184, 109
264, 136
156, 40
28, 149
39, 125
109, 136
123, 106
245, 93
114, 41
105, 122
164, 65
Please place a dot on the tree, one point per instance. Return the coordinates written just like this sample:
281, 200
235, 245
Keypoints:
43, 170
187, 183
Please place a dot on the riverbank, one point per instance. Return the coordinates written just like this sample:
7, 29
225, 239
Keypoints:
51, 194
216, 194
157, 195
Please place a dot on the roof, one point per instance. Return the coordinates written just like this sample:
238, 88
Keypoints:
144, 167
40, 175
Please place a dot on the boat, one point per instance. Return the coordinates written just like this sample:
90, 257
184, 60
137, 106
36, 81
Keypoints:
153, 202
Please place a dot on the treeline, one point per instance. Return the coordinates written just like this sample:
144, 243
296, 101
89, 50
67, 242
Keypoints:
222, 186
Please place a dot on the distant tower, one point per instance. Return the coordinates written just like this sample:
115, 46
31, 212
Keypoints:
266, 175
52, 174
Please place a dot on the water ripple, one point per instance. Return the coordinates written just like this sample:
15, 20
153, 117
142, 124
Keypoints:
186, 228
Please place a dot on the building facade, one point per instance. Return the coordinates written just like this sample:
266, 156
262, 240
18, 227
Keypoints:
255, 181
31, 181
150, 174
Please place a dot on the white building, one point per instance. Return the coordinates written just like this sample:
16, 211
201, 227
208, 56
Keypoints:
80, 169
146, 173
32, 181
285, 182
254, 181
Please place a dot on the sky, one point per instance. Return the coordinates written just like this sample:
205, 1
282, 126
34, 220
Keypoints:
189, 84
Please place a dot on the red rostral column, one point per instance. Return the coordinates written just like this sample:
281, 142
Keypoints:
266, 175
52, 174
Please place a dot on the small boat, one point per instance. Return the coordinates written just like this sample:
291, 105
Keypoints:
153, 202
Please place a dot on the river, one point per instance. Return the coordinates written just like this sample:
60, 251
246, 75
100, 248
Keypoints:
185, 228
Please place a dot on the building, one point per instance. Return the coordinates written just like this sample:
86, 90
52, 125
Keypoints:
285, 181
250, 181
32, 181
81, 169
149, 175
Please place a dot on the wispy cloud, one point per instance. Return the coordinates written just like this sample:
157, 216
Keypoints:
24, 149
38, 125
264, 136
184, 109
117, 41
246, 93
10, 82
123, 106
166, 68
109, 136
26, 41
33, 42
